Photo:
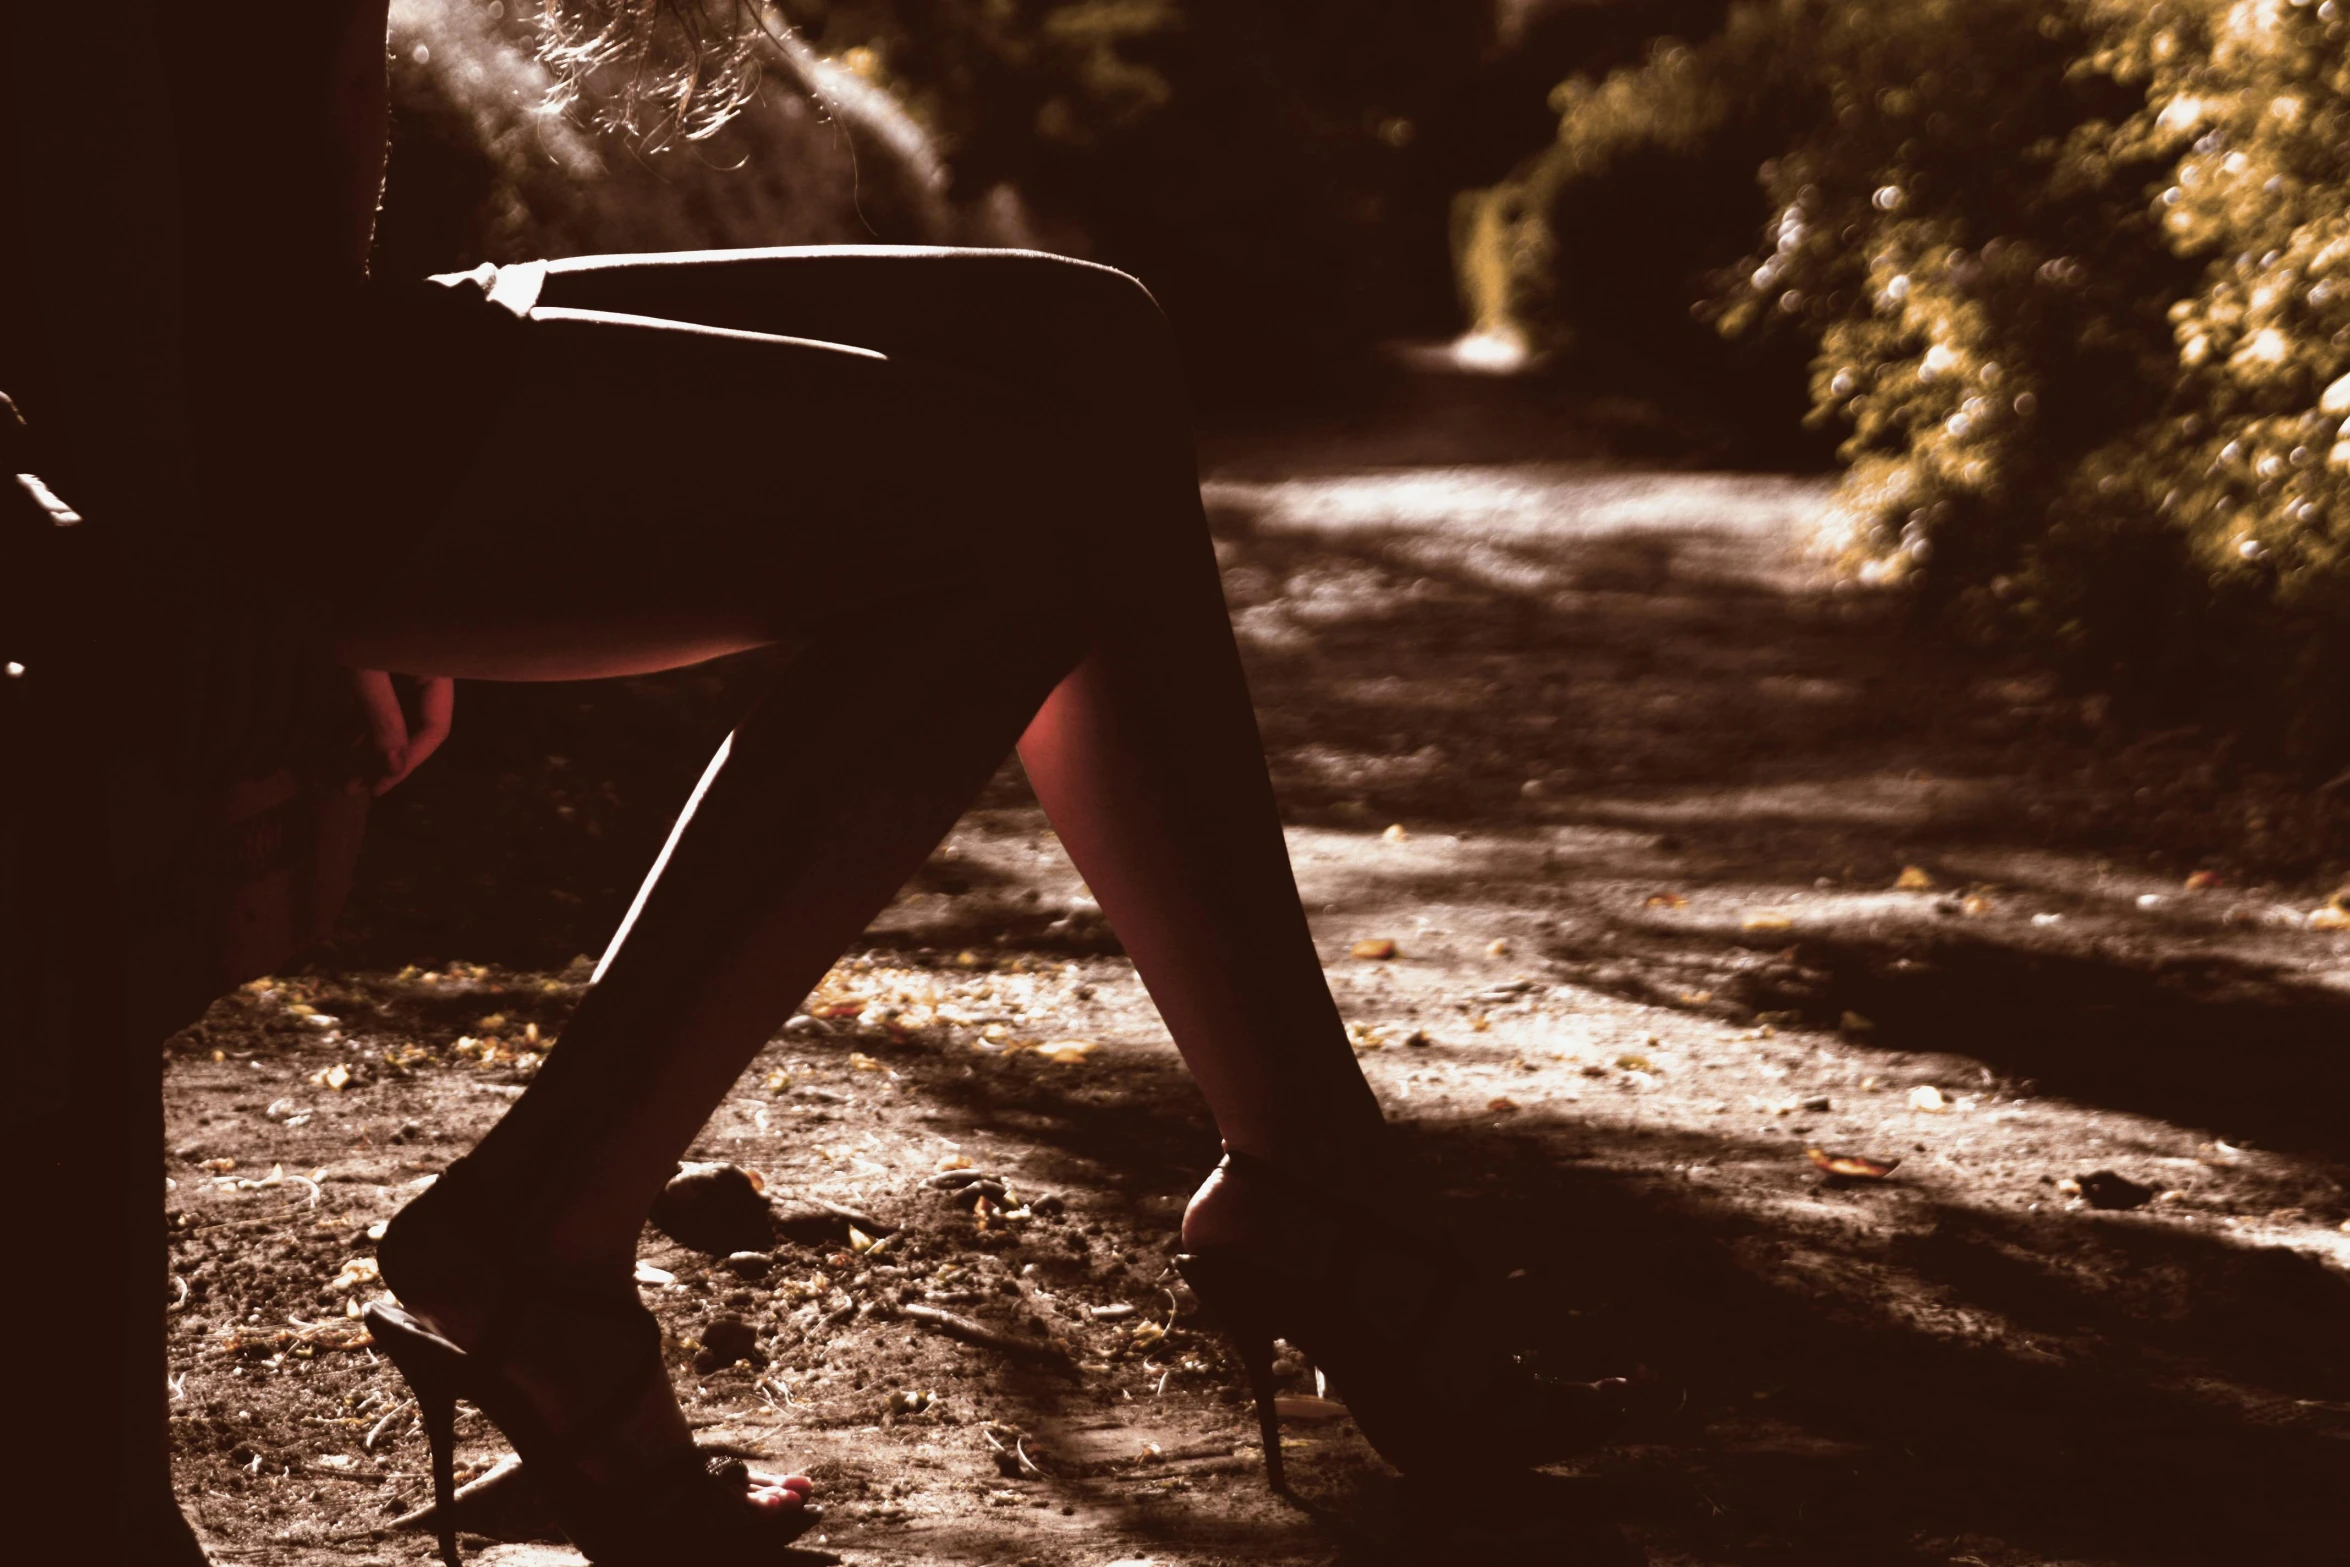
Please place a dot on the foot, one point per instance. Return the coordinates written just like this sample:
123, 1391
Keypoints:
1363, 1275
568, 1365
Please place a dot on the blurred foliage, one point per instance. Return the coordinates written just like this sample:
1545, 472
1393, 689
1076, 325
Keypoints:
2073, 284
1259, 165
1279, 172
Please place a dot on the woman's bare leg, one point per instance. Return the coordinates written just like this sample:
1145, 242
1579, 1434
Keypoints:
1145, 750
1147, 758
657, 497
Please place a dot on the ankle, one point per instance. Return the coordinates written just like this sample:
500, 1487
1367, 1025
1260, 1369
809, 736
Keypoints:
1293, 1193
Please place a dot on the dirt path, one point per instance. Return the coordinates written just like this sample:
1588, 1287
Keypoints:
1633, 794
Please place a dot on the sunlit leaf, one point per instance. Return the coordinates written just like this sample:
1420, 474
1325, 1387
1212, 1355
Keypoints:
1854, 1166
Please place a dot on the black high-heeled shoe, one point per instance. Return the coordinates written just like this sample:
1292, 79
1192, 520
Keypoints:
1401, 1326
683, 1506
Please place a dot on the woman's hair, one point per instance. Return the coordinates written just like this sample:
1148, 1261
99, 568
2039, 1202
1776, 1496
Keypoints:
656, 70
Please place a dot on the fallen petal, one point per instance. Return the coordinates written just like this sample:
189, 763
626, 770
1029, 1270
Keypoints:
1855, 1166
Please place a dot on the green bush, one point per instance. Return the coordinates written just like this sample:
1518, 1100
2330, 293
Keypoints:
2074, 283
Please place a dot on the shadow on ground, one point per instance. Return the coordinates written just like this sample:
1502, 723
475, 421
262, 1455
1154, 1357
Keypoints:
1845, 1389
1630, 684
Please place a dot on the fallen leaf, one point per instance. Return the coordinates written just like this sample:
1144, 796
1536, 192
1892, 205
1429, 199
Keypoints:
861, 1062
2203, 881
1667, 900
1766, 919
1928, 1098
218, 1166
1504, 1105
1374, 947
2329, 918
1854, 1166
336, 1077
1696, 998
1633, 1064
358, 1271
779, 1081
838, 1009
1395, 833
1913, 878
959, 1161
1067, 1052
1498, 947
1975, 906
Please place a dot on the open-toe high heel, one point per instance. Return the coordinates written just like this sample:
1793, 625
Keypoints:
682, 1505
1402, 1327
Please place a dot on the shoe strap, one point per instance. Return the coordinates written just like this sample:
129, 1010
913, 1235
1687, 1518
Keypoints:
1350, 1268
526, 1287
1353, 1220
532, 1288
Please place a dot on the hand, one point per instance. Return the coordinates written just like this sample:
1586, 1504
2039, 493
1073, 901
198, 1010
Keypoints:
397, 748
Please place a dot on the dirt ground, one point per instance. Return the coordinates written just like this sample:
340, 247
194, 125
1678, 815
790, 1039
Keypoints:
1691, 863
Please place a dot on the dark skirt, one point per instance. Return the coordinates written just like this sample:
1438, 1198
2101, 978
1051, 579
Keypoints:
179, 804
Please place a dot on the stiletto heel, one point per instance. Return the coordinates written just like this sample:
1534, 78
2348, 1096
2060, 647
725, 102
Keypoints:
679, 1506
440, 1429
420, 1354
1402, 1324
1254, 1345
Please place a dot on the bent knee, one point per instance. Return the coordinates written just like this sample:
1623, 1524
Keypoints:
1096, 331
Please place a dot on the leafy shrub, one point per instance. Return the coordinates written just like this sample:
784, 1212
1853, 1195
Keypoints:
2074, 280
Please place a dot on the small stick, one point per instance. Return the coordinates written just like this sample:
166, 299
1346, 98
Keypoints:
375, 1432
971, 1332
863, 1221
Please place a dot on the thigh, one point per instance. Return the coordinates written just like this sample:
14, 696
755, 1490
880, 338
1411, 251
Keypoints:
1061, 326
652, 494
